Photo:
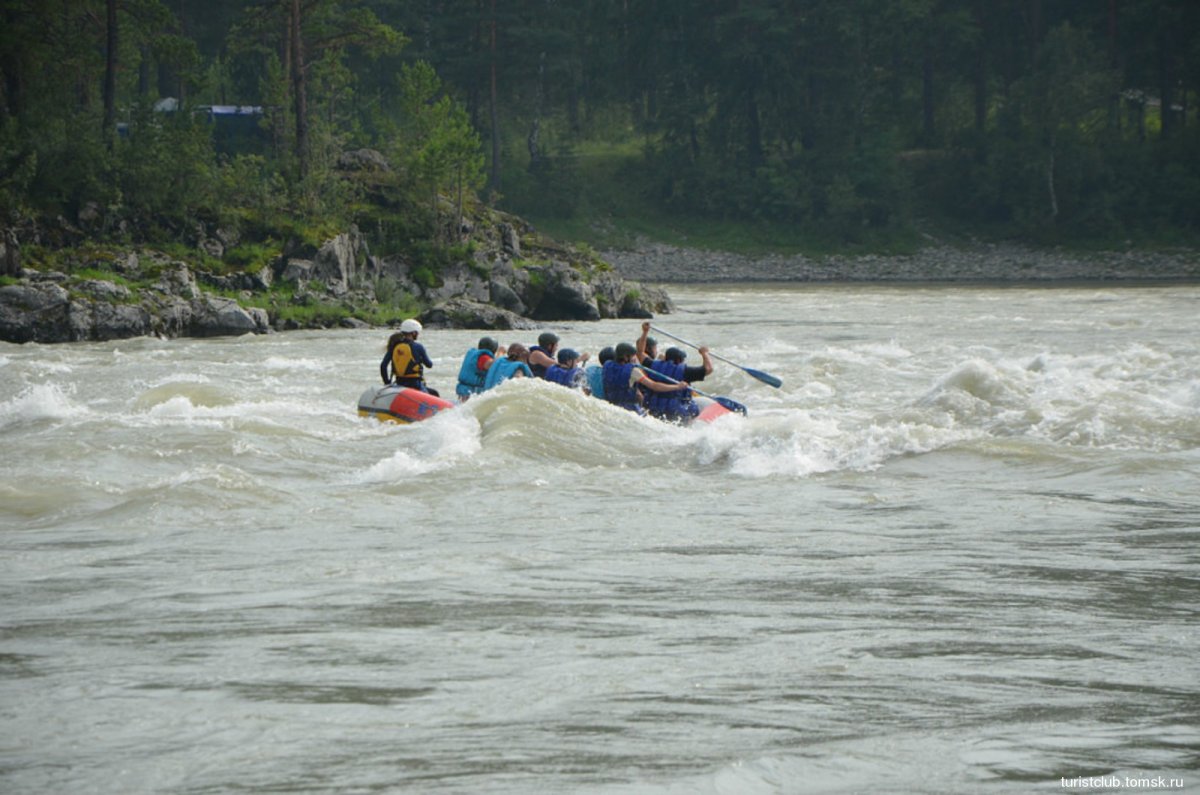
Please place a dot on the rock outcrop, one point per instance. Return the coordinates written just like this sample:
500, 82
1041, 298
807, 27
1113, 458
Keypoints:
554, 284
506, 276
52, 307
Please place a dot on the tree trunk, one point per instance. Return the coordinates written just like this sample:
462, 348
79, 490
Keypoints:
927, 121
1113, 63
1050, 184
11, 69
494, 107
1166, 87
299, 90
110, 71
754, 144
981, 76
533, 140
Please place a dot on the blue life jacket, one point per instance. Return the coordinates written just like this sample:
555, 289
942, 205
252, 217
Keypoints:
537, 369
470, 380
503, 369
567, 377
672, 405
617, 389
595, 379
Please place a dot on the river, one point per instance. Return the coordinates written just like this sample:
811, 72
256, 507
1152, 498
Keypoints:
957, 551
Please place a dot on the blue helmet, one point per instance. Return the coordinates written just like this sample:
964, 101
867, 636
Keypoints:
567, 355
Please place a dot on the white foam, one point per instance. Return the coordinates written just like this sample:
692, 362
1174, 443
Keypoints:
288, 364
39, 402
436, 444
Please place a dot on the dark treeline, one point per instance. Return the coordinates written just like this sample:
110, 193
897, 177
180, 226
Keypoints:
1054, 119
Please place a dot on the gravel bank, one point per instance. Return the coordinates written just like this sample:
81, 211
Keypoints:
655, 262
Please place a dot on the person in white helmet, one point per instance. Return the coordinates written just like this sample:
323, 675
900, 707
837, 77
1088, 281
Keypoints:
407, 359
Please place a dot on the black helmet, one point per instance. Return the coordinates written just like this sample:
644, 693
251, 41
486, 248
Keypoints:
488, 344
625, 351
567, 355
675, 355
607, 354
547, 339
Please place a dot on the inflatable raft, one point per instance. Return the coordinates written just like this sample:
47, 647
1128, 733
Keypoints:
402, 404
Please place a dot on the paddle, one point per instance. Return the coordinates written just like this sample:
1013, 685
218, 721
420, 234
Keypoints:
728, 403
766, 378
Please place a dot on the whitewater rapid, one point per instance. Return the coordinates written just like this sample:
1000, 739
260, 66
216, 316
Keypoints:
956, 551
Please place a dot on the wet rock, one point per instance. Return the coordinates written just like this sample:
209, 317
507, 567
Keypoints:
504, 297
461, 313
558, 292
34, 313
220, 317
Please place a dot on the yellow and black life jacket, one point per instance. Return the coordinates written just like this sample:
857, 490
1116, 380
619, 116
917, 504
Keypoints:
404, 364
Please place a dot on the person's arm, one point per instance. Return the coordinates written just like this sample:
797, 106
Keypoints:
421, 355
658, 386
641, 341
541, 359
383, 367
704, 357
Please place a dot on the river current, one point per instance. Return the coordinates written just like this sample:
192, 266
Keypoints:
957, 551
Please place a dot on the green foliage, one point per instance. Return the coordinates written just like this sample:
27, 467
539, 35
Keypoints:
395, 299
756, 125
425, 276
435, 147
253, 257
164, 169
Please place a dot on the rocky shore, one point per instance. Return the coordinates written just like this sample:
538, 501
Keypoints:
1003, 263
507, 277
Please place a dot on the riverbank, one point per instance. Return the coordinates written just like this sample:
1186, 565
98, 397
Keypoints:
500, 274
983, 262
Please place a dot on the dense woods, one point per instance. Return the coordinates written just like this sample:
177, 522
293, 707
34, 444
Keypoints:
844, 119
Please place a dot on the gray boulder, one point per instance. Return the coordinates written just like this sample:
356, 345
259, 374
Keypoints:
462, 313
510, 240
178, 280
459, 281
504, 297
557, 292
336, 262
10, 254
34, 313
297, 271
221, 317
101, 320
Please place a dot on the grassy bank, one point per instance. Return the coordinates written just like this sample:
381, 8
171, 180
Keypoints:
600, 195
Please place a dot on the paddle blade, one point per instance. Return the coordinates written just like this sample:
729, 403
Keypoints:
732, 405
766, 378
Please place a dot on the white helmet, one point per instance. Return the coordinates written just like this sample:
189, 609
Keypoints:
410, 326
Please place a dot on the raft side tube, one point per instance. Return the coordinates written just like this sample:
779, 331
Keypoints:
400, 404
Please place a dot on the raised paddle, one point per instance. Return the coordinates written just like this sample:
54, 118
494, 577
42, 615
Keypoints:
766, 378
728, 403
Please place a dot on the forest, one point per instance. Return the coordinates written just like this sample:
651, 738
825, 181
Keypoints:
848, 122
